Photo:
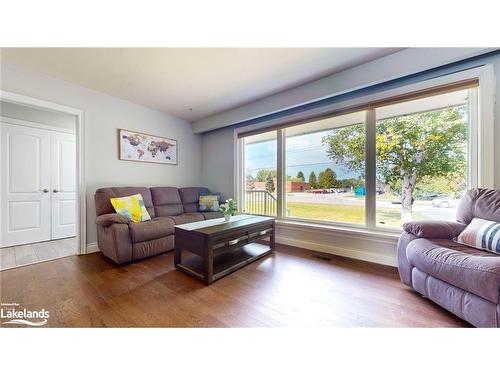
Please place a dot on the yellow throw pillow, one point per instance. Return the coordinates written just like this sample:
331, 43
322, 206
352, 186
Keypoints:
208, 203
132, 207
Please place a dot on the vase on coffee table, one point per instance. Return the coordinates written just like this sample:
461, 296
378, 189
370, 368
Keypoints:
228, 209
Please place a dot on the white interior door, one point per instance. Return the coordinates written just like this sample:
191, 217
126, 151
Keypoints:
25, 185
63, 190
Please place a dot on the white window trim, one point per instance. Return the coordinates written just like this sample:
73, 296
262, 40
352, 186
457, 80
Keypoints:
481, 142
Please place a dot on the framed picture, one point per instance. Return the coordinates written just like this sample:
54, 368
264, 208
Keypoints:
137, 146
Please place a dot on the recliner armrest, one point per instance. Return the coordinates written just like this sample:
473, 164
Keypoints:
434, 228
109, 219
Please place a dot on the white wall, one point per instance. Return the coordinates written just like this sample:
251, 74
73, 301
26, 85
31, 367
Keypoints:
218, 172
104, 114
218, 161
22, 112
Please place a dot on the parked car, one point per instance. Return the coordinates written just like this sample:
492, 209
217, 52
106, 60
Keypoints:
442, 201
319, 191
427, 196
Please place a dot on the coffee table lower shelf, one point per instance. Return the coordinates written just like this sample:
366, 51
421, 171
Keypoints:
225, 263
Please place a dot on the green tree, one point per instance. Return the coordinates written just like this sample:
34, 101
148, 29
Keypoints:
347, 183
270, 183
452, 185
300, 177
263, 173
321, 177
312, 180
409, 148
327, 179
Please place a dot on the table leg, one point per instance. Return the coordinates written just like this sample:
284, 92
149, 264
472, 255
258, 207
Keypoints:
177, 256
272, 240
209, 264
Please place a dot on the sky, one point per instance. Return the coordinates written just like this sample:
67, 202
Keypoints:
304, 153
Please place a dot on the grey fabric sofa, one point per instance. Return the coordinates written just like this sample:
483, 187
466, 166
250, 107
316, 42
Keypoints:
463, 280
124, 241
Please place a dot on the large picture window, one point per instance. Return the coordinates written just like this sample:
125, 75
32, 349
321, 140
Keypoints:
407, 157
422, 158
261, 174
321, 184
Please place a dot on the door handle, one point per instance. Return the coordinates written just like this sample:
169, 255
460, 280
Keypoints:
44, 190
55, 191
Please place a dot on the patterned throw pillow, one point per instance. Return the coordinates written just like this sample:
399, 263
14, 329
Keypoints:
208, 203
132, 207
481, 234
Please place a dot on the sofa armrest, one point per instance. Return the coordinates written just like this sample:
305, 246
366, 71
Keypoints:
110, 219
404, 266
114, 241
434, 228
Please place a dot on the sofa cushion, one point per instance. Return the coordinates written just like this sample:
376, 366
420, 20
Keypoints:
131, 207
470, 269
151, 230
166, 201
209, 203
481, 234
190, 196
103, 198
145, 249
434, 228
187, 218
212, 215
481, 203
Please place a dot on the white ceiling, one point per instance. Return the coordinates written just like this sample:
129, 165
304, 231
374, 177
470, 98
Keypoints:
208, 80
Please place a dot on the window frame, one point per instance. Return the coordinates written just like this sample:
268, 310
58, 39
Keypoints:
480, 143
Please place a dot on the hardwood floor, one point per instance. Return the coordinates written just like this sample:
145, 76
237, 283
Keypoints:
288, 288
22, 255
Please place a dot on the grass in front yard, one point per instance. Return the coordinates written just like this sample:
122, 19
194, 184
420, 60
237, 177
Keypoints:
353, 214
343, 213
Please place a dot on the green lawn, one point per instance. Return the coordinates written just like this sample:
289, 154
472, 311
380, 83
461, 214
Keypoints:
342, 213
391, 217
353, 214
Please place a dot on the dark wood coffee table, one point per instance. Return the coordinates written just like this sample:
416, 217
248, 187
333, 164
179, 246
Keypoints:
218, 247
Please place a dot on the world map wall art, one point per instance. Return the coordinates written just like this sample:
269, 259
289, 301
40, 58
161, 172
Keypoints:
136, 146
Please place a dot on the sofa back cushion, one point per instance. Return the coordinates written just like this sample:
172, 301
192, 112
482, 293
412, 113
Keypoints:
103, 198
167, 201
480, 203
190, 196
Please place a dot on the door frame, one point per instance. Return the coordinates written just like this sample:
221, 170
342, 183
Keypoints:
80, 133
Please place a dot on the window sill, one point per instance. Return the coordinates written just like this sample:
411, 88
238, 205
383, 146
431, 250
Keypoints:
365, 233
